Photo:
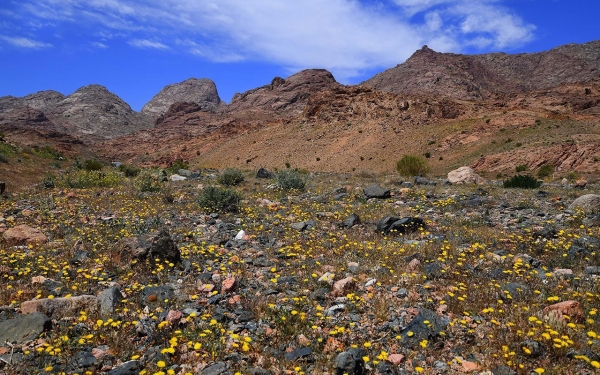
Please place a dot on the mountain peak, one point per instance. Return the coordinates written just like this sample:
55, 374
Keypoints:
202, 91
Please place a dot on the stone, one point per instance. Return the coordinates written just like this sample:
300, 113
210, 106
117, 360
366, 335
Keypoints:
176, 177
127, 368
343, 286
215, 369
24, 328
2, 187
174, 316
503, 370
580, 184
464, 175
427, 325
351, 221
423, 181
263, 173
228, 285
386, 368
400, 225
395, 358
108, 301
350, 362
588, 202
24, 235
375, 191
61, 307
470, 366
298, 353
570, 308
156, 294
159, 245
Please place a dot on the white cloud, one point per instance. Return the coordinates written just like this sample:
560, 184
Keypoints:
25, 42
344, 36
99, 45
145, 43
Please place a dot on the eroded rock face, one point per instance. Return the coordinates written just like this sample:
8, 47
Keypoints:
202, 92
474, 77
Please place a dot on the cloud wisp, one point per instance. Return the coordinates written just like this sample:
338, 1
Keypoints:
344, 36
22, 42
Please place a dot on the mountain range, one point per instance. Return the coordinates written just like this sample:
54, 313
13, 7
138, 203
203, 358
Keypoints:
455, 109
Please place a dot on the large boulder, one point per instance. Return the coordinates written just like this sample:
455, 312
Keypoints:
157, 245
400, 225
588, 202
61, 307
464, 175
24, 328
375, 191
24, 235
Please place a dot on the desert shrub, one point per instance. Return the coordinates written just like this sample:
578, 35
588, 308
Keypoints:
428, 155
572, 176
48, 152
92, 165
412, 165
289, 179
129, 170
7, 150
545, 171
521, 168
216, 198
48, 181
522, 182
80, 179
146, 182
177, 165
230, 177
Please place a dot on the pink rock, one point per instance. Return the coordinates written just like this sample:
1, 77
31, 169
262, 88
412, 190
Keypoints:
413, 265
470, 366
174, 316
228, 285
343, 286
569, 308
61, 307
396, 359
24, 235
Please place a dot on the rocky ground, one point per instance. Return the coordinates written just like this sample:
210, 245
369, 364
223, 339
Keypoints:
357, 274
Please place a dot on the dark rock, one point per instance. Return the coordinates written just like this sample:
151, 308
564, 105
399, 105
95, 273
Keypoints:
160, 245
350, 362
542, 194
547, 233
537, 348
24, 328
592, 270
421, 330
216, 369
298, 353
263, 173
587, 242
386, 368
127, 368
319, 294
402, 293
378, 192
423, 181
2, 187
434, 270
83, 359
351, 221
108, 300
156, 294
400, 225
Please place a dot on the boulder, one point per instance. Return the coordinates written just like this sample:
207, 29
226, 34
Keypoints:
351, 221
400, 225
588, 202
61, 307
24, 235
156, 245
427, 325
108, 300
350, 362
378, 192
464, 175
263, 173
24, 328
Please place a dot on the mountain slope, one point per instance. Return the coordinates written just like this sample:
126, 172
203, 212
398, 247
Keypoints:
200, 91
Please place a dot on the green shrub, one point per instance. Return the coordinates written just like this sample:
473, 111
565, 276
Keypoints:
521, 168
522, 182
147, 182
412, 165
289, 179
80, 179
92, 165
129, 170
572, 176
7, 150
545, 171
215, 198
48, 181
48, 152
177, 165
230, 177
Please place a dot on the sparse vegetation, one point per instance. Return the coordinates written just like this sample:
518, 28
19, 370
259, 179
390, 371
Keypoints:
230, 177
92, 165
521, 168
522, 182
545, 171
219, 199
289, 179
412, 165
48, 152
129, 170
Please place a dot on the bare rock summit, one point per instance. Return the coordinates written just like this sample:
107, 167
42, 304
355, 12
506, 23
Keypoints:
202, 92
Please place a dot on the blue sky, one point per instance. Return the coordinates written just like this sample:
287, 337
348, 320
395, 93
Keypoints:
136, 47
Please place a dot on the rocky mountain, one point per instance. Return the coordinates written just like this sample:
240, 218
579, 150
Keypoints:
476, 77
201, 91
42, 101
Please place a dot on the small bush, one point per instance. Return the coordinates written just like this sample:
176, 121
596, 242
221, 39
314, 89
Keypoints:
428, 155
146, 182
521, 168
289, 179
177, 165
215, 198
545, 171
92, 165
412, 165
129, 170
572, 176
48, 152
522, 182
230, 177
7, 150
48, 182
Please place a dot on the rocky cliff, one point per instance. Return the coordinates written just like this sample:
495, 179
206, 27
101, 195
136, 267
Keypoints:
202, 92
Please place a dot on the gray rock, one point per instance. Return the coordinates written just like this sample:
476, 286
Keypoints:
588, 202
423, 181
440, 366
159, 245
434, 270
503, 370
298, 353
400, 225
350, 362
184, 172
386, 368
263, 173
375, 191
592, 270
201, 91
108, 300
351, 221
421, 330
127, 368
216, 369
24, 328
156, 294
